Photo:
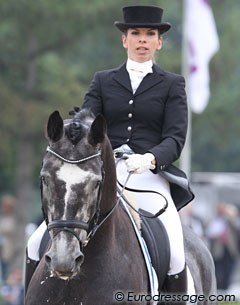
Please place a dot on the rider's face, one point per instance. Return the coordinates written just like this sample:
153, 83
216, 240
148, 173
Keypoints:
142, 43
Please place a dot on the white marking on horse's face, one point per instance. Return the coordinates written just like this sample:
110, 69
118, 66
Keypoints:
72, 175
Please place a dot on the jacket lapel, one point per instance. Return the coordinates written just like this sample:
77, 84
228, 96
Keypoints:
122, 77
150, 80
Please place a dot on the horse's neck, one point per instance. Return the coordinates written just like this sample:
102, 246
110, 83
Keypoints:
109, 194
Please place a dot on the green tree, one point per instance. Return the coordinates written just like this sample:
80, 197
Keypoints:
35, 79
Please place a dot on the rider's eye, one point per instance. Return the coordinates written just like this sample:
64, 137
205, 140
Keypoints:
134, 33
151, 33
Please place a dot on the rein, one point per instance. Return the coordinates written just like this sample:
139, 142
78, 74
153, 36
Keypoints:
124, 187
98, 225
142, 191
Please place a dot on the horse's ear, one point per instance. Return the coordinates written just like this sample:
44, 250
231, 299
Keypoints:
55, 127
98, 130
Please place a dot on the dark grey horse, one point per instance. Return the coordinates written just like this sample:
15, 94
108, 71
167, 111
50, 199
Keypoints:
94, 256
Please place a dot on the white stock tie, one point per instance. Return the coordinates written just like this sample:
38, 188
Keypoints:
137, 71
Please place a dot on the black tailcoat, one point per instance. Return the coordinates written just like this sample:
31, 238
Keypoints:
154, 119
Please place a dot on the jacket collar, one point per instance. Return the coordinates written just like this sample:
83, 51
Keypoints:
122, 77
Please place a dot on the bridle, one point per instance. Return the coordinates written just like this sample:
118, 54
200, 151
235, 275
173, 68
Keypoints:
49, 149
69, 225
95, 222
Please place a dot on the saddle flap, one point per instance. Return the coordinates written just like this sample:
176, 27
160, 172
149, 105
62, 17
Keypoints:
156, 239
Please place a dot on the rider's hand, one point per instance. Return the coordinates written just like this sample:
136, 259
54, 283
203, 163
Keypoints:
139, 163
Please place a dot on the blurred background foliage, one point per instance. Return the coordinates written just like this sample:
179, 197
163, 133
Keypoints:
49, 51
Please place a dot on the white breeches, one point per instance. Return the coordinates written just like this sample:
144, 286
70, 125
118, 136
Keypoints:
34, 242
147, 201
153, 203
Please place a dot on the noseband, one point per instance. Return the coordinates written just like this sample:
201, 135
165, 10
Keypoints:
68, 225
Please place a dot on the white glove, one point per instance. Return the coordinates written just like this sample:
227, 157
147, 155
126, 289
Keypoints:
139, 163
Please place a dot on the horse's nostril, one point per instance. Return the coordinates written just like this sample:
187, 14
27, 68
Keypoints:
79, 260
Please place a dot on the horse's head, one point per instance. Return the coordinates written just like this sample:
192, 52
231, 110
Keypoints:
72, 178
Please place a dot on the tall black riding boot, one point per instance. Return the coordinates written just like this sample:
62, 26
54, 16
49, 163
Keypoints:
176, 284
30, 267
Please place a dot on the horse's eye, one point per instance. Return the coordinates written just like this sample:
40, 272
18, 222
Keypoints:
43, 180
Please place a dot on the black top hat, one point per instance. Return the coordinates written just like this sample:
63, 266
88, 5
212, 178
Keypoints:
142, 17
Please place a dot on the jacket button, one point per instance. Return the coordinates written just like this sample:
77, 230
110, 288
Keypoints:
130, 102
129, 128
130, 115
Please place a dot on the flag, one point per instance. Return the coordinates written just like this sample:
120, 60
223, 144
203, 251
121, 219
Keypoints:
201, 43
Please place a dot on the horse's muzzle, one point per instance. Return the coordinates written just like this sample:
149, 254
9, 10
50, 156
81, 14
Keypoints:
66, 266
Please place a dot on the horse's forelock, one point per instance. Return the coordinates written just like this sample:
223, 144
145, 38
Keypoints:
74, 131
77, 128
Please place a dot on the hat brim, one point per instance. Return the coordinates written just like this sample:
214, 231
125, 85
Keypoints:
163, 27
